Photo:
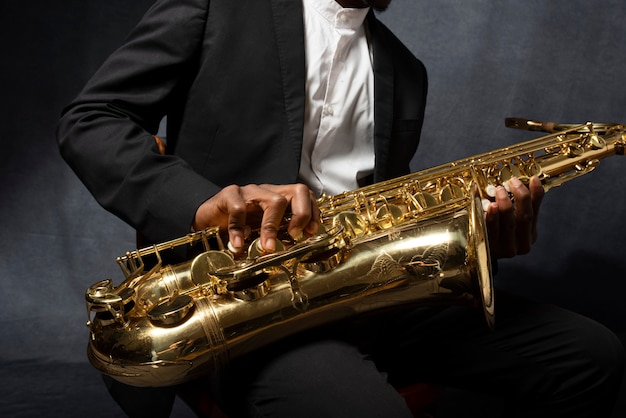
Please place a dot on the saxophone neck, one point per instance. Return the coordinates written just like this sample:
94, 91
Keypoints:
573, 150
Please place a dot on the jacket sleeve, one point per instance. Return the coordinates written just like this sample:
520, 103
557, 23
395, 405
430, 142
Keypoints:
106, 133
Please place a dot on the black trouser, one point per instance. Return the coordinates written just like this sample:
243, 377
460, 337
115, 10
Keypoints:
540, 361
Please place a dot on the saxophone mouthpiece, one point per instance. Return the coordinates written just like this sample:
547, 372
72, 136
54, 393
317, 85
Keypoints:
530, 125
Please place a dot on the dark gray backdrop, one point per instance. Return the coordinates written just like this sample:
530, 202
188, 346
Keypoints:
561, 60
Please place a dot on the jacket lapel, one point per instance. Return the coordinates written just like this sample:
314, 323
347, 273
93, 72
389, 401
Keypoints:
383, 97
289, 29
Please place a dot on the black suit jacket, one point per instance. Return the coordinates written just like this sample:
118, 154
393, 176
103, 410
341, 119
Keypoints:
230, 77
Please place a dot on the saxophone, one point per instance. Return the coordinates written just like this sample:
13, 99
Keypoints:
416, 240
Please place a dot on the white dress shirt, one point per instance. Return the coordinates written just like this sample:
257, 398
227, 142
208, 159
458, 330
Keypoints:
338, 144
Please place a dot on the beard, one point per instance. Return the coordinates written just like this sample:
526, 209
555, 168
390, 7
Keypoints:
378, 5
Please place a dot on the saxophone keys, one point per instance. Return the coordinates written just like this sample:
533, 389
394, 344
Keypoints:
252, 292
596, 141
256, 250
102, 293
323, 262
206, 264
507, 172
353, 224
171, 312
107, 304
574, 150
424, 200
388, 216
532, 168
451, 192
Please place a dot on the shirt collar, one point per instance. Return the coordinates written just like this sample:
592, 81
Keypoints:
337, 16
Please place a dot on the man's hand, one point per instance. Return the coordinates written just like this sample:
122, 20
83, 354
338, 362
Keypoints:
512, 224
239, 208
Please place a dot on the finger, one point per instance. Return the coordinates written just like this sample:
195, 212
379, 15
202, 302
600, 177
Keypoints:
523, 215
226, 210
301, 210
536, 196
273, 206
233, 204
314, 225
492, 221
305, 214
506, 224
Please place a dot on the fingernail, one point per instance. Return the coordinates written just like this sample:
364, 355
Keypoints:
232, 248
238, 242
516, 182
269, 245
296, 234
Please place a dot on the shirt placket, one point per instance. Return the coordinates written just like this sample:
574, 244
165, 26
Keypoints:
331, 112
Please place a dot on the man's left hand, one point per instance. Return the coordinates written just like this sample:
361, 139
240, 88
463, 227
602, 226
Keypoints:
512, 220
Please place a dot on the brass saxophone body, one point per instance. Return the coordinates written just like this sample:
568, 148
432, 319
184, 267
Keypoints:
416, 240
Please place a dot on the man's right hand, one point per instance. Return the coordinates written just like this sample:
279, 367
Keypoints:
236, 208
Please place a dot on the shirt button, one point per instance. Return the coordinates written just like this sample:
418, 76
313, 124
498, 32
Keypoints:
329, 110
